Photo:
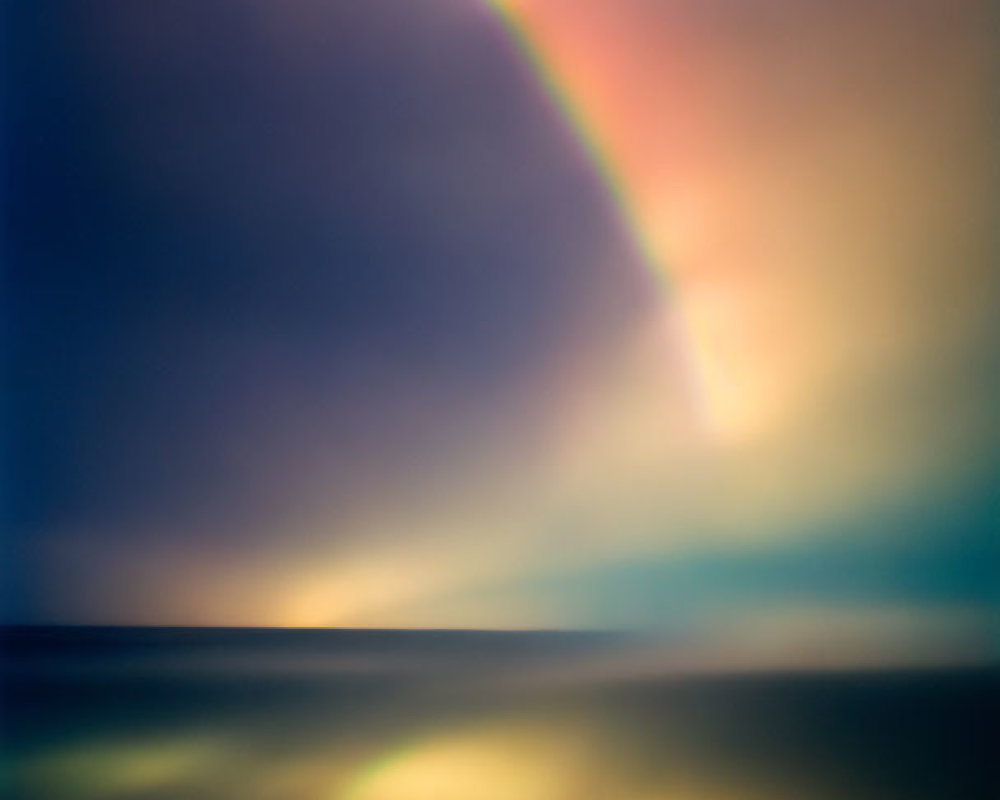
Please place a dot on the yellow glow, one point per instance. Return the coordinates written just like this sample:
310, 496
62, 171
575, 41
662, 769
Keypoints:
563, 760
470, 769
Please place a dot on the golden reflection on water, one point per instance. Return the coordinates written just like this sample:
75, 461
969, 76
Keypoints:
522, 758
529, 761
525, 760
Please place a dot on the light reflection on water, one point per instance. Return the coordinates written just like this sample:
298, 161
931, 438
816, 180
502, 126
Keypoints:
102, 720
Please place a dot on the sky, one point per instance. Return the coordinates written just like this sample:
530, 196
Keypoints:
667, 316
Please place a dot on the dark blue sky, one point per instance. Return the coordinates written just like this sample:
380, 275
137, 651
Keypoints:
224, 232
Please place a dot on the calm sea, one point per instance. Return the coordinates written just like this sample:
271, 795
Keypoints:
466, 715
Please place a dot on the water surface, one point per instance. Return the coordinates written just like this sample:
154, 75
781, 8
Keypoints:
465, 715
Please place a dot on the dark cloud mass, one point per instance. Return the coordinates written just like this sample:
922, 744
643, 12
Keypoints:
232, 227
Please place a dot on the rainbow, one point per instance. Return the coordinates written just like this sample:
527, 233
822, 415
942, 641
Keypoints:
618, 132
645, 226
568, 107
